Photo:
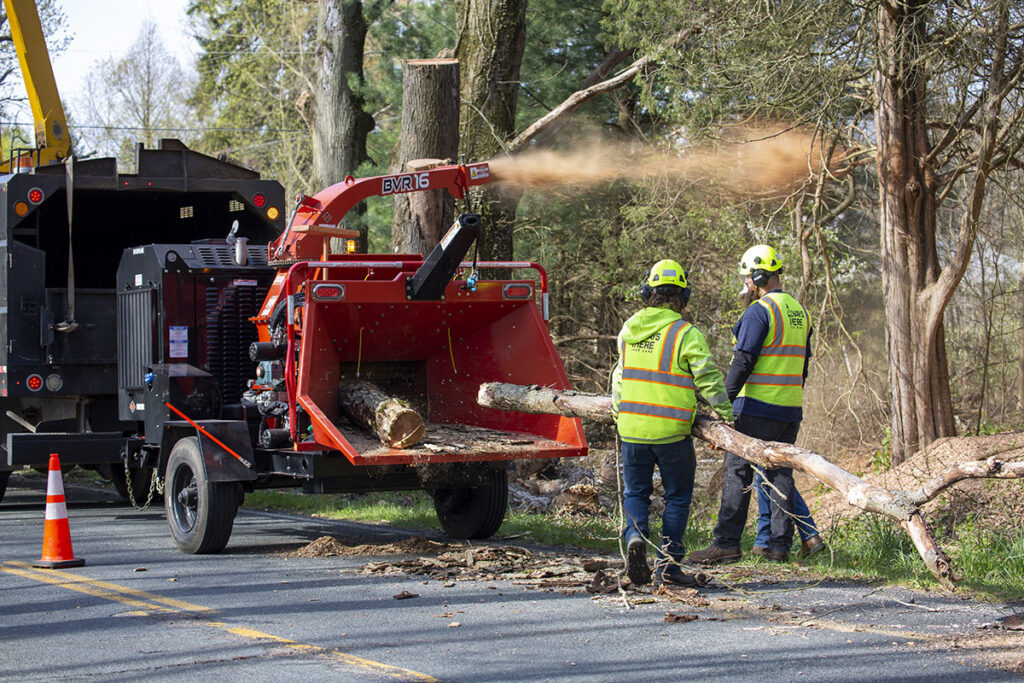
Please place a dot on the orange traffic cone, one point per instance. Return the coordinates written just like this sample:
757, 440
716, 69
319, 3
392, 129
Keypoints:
57, 550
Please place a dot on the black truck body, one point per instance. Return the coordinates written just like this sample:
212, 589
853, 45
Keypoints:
60, 386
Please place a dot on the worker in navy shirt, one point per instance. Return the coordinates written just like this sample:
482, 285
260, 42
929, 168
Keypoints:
765, 381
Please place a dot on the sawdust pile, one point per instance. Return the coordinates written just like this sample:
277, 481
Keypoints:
756, 163
451, 561
329, 546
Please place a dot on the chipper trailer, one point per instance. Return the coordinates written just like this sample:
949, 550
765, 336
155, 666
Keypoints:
336, 372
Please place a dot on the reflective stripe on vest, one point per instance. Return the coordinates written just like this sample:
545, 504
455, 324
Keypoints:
778, 375
657, 401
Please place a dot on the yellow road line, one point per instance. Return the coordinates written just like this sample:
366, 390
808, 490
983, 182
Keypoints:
151, 601
152, 597
353, 660
86, 588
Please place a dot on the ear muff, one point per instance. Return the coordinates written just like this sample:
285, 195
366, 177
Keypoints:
686, 295
760, 277
646, 291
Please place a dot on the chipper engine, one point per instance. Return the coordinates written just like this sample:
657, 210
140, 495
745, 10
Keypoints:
339, 372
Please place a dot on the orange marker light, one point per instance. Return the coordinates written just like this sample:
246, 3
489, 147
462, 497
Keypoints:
20, 208
273, 213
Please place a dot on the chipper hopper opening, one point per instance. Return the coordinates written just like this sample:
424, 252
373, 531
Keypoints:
360, 326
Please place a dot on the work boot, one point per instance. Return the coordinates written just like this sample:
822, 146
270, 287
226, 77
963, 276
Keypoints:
637, 569
812, 546
715, 555
674, 576
780, 556
759, 551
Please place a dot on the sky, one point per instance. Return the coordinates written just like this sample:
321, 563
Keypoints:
106, 28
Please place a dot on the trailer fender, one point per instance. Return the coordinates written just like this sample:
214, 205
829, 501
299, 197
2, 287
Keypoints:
225, 445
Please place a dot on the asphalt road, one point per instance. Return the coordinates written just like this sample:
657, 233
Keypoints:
252, 614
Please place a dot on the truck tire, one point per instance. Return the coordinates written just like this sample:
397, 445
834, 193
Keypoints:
4, 476
200, 513
476, 512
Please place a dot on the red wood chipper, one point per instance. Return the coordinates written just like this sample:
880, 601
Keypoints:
422, 332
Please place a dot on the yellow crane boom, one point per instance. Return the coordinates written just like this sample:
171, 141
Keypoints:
53, 143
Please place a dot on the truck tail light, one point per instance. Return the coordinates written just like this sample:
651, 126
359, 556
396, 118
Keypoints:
328, 292
35, 195
259, 200
517, 291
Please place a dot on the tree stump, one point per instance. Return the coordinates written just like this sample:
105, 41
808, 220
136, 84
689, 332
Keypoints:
430, 128
391, 419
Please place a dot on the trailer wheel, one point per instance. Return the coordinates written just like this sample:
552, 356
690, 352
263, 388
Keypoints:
477, 512
200, 513
4, 476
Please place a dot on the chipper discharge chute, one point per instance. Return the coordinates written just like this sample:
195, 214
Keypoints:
368, 366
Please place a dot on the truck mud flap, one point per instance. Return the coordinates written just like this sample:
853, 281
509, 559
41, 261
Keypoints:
79, 448
225, 445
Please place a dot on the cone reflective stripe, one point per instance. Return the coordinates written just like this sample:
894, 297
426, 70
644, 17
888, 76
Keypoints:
57, 550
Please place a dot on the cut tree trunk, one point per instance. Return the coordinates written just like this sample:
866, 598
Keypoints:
492, 37
901, 506
430, 128
392, 420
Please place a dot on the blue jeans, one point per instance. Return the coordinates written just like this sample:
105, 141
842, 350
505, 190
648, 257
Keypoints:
677, 464
737, 477
803, 521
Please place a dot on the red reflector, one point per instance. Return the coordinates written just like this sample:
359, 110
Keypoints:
517, 291
259, 200
34, 382
328, 292
35, 195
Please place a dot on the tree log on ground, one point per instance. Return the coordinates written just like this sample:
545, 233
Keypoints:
902, 506
392, 420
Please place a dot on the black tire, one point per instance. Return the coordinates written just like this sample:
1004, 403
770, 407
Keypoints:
476, 512
200, 513
4, 476
141, 479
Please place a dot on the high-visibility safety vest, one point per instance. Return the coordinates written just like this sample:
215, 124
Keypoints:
657, 401
778, 375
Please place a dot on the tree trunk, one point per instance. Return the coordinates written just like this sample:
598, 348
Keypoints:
915, 339
492, 36
340, 124
766, 454
1020, 351
430, 128
394, 422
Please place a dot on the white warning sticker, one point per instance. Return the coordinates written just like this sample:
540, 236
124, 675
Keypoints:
179, 341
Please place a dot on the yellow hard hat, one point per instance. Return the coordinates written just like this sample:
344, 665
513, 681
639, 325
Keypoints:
667, 272
760, 257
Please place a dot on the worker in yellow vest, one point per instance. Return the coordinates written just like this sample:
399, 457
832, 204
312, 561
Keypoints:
766, 381
663, 360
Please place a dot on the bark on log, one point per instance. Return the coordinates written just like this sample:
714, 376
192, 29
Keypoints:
899, 505
430, 128
394, 422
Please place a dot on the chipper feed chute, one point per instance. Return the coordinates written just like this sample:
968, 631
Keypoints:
358, 324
